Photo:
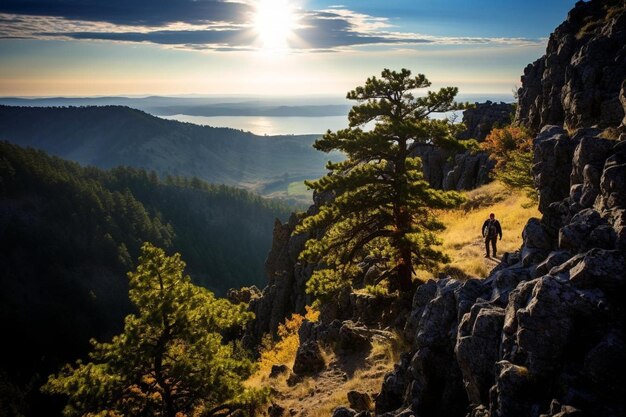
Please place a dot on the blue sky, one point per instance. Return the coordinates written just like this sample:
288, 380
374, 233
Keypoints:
265, 47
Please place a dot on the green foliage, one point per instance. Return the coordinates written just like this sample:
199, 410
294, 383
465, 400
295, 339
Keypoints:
382, 206
169, 358
70, 233
378, 290
511, 148
517, 174
500, 143
471, 145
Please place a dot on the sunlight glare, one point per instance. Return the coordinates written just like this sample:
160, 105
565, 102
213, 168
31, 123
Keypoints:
274, 23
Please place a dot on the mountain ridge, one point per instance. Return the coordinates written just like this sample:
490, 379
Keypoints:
108, 136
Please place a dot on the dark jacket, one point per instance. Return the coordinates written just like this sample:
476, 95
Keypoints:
486, 228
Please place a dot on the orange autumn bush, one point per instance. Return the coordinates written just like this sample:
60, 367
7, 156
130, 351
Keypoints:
502, 143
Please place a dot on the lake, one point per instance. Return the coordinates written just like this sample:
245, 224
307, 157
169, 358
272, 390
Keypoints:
262, 125
268, 125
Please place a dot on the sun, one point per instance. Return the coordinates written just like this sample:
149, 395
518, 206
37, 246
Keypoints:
274, 23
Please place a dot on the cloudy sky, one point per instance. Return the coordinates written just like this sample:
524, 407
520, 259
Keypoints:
265, 47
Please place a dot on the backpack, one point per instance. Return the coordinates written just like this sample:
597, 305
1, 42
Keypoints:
492, 230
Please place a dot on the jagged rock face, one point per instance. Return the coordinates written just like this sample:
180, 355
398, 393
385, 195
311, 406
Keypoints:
483, 117
285, 293
577, 83
540, 336
448, 170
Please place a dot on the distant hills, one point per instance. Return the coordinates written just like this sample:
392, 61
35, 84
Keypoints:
200, 106
70, 234
109, 136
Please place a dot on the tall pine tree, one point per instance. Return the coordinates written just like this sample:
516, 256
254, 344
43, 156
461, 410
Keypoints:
380, 204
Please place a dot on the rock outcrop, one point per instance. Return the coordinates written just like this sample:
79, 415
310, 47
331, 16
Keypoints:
483, 117
543, 334
285, 292
577, 83
450, 170
545, 328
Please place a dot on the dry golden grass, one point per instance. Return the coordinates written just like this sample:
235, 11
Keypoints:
319, 395
367, 379
462, 239
283, 351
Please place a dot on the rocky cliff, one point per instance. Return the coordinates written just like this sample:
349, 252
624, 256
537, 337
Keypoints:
542, 335
577, 83
450, 170
483, 117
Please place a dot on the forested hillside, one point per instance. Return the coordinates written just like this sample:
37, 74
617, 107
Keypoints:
71, 233
110, 136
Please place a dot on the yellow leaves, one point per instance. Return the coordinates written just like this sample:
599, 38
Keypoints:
284, 350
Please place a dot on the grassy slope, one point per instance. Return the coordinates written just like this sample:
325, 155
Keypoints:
462, 238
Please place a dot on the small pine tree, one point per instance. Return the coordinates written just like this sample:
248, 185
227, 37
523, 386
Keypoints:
381, 204
170, 360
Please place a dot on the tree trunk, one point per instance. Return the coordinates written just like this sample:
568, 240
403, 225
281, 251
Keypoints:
403, 222
405, 263
170, 410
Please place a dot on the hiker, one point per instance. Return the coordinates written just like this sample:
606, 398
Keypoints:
491, 230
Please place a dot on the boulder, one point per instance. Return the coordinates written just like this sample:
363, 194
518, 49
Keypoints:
276, 410
599, 268
278, 370
553, 152
535, 235
359, 401
343, 412
576, 236
554, 259
591, 151
309, 359
477, 349
512, 391
391, 396
599, 363
353, 338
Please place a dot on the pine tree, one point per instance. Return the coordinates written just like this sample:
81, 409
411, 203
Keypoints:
381, 205
170, 360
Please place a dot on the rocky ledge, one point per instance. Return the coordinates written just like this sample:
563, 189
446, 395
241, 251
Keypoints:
542, 335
